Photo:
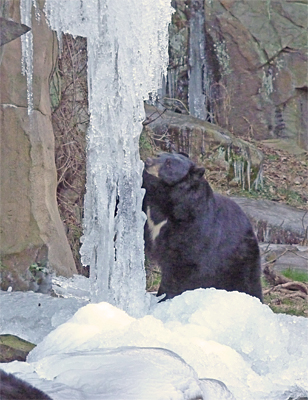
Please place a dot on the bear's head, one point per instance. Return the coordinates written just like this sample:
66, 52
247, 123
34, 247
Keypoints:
172, 168
175, 187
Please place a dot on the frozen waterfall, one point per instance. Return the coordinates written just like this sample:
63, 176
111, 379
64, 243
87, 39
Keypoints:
127, 57
197, 86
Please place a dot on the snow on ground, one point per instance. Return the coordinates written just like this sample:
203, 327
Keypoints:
102, 352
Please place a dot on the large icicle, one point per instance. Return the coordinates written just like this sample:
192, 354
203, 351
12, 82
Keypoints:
197, 61
127, 54
27, 48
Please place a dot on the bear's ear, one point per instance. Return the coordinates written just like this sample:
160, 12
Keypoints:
183, 154
198, 172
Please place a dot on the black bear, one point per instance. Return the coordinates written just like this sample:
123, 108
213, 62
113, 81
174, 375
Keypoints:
13, 388
199, 239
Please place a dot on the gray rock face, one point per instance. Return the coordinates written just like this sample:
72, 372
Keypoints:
274, 222
257, 66
204, 142
285, 257
261, 47
31, 230
281, 231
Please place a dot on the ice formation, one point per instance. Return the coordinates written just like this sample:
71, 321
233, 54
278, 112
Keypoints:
212, 334
31, 316
27, 47
197, 86
127, 55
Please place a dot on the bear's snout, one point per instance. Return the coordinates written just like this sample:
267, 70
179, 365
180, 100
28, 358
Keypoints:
149, 162
151, 167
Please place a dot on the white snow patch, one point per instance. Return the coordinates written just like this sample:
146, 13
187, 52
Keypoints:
212, 334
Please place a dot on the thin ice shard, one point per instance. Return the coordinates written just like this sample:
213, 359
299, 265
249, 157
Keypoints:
27, 46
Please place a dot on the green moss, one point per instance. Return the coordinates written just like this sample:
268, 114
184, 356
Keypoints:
153, 276
290, 306
34, 268
289, 311
253, 174
3, 267
146, 145
264, 283
16, 343
223, 57
273, 157
295, 275
289, 197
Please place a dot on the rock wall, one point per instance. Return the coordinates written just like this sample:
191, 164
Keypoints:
207, 144
32, 233
257, 66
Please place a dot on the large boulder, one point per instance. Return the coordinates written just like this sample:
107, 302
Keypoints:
275, 222
32, 233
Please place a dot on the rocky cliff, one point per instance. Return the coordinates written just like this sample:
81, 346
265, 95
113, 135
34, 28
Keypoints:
32, 233
251, 76
254, 69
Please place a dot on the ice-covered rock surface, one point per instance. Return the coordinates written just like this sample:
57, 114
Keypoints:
229, 337
31, 316
125, 373
127, 43
120, 372
77, 287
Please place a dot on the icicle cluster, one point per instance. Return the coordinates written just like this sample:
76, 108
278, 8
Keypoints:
127, 55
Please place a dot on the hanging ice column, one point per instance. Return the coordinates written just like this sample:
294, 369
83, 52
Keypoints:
197, 86
27, 47
127, 55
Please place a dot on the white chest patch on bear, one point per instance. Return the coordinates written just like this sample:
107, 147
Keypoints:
154, 229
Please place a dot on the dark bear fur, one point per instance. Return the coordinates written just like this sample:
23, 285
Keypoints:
13, 388
198, 238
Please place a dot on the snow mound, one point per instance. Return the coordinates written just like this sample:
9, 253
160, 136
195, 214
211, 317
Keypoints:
228, 336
